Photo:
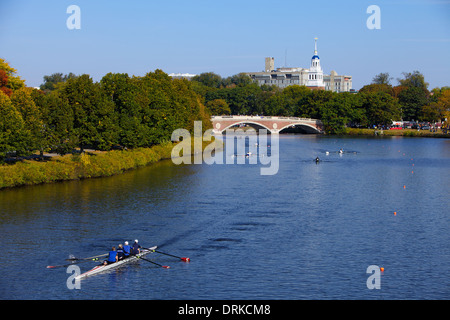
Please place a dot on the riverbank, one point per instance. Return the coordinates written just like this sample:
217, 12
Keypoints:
400, 133
81, 166
90, 164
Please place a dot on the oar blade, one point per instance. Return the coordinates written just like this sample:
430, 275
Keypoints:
185, 259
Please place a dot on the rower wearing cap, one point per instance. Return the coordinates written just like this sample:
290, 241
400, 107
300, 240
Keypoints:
136, 247
126, 250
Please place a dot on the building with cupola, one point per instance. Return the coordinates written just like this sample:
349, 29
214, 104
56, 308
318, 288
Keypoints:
315, 74
313, 78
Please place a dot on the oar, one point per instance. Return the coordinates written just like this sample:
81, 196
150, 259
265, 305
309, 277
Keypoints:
167, 267
89, 258
69, 264
171, 255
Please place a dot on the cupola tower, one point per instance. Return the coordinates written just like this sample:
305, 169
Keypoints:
315, 77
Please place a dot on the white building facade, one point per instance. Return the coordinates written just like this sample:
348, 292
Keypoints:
313, 78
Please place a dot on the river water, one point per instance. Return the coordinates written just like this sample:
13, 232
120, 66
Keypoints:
308, 232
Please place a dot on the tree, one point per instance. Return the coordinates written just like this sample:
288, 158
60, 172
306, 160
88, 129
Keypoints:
377, 87
32, 118
12, 135
58, 117
51, 81
339, 109
150, 108
436, 110
4, 83
240, 80
381, 108
14, 81
412, 99
93, 113
314, 102
382, 78
414, 79
218, 107
130, 100
209, 79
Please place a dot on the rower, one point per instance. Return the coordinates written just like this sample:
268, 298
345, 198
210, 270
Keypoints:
126, 250
120, 253
112, 257
136, 247
317, 159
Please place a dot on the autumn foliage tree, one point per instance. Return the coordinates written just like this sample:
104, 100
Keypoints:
4, 83
77, 112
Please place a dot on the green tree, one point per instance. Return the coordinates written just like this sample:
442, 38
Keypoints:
59, 123
413, 79
240, 80
382, 78
412, 99
218, 107
377, 87
337, 111
129, 99
32, 117
381, 108
13, 137
51, 81
93, 113
209, 79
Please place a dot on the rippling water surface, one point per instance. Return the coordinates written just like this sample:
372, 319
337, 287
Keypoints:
308, 232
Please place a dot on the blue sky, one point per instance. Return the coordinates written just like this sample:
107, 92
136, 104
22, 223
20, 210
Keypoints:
226, 37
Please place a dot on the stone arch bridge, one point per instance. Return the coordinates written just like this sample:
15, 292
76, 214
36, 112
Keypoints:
273, 124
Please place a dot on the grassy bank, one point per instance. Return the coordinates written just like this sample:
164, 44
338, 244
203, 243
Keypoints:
80, 166
87, 165
402, 133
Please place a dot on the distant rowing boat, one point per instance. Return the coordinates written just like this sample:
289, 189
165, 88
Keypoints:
101, 268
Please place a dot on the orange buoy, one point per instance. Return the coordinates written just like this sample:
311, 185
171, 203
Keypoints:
382, 269
404, 187
395, 213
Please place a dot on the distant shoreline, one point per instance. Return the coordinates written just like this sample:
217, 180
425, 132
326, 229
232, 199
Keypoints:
396, 133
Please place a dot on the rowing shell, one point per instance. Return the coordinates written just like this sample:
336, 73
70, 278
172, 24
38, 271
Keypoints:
101, 268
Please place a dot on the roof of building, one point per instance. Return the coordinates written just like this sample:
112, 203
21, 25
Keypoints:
315, 57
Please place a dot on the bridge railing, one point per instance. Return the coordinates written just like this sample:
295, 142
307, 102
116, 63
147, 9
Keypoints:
263, 118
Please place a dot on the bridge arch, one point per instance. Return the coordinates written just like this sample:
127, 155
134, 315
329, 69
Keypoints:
305, 127
257, 125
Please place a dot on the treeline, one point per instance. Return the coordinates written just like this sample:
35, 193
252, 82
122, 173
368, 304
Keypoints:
377, 104
77, 112
122, 111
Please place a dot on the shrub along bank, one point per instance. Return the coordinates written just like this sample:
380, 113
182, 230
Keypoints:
81, 166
